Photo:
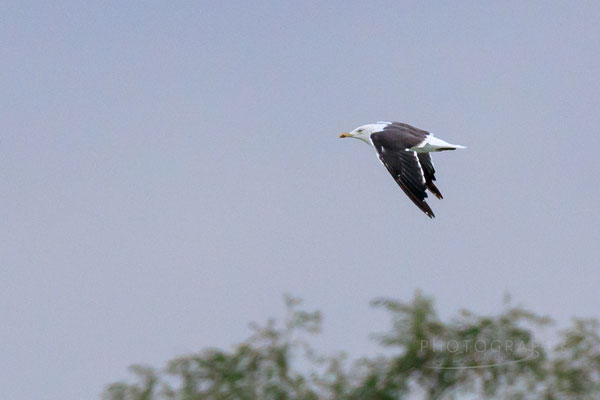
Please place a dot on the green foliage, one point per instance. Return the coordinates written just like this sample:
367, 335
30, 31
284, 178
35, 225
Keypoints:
491, 357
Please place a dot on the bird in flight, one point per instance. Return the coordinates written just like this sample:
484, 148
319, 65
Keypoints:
404, 150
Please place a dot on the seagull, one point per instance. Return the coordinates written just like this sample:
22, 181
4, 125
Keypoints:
404, 150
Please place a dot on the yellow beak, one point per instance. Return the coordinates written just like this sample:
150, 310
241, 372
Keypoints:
345, 134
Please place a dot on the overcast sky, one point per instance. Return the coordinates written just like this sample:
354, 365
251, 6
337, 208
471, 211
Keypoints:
170, 169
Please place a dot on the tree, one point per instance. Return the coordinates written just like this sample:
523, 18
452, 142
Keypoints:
490, 357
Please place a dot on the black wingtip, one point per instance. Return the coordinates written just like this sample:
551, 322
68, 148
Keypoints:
427, 210
433, 189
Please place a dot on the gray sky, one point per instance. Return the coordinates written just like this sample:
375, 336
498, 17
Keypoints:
168, 170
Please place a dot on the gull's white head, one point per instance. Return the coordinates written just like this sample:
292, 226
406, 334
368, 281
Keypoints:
364, 132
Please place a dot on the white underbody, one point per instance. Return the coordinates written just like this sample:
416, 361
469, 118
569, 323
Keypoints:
432, 144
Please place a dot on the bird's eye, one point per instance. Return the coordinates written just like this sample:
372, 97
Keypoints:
360, 131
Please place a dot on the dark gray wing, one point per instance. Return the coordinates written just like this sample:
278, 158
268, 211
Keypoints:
403, 165
429, 172
404, 135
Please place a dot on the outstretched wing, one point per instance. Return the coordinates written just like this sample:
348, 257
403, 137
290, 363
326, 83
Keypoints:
403, 165
429, 173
